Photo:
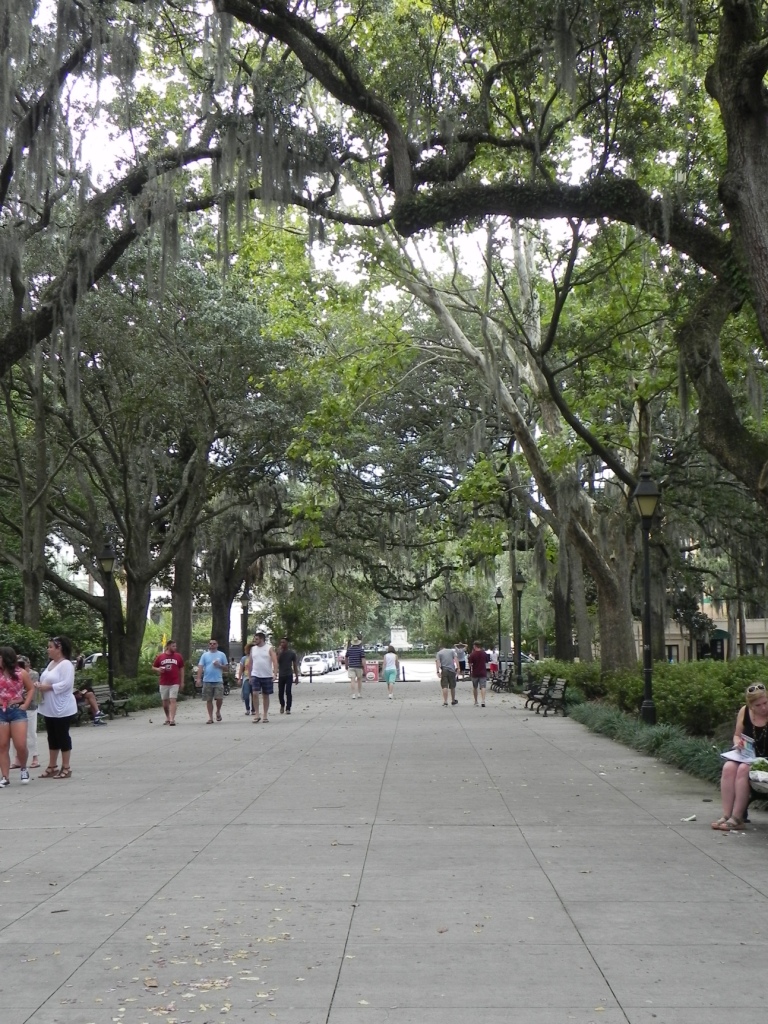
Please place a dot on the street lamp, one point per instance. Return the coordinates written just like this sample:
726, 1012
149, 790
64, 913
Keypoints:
646, 498
498, 597
519, 588
107, 563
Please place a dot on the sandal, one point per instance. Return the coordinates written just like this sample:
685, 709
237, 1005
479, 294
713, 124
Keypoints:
731, 825
720, 821
64, 773
51, 772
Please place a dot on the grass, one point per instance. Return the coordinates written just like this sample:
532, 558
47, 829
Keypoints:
669, 743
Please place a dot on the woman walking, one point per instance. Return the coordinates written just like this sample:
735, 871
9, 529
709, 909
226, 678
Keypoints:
391, 665
16, 693
58, 706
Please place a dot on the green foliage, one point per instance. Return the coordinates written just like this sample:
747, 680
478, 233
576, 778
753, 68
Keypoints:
32, 643
700, 697
296, 618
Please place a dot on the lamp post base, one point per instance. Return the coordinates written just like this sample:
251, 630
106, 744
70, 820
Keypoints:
648, 712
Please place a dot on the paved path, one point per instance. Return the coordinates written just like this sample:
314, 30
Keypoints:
374, 861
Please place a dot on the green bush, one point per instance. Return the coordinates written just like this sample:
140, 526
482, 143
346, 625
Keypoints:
32, 643
700, 697
668, 743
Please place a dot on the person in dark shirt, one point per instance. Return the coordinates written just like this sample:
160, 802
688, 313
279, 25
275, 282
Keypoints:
287, 673
478, 670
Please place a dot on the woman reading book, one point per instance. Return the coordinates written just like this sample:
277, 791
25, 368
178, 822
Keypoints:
751, 733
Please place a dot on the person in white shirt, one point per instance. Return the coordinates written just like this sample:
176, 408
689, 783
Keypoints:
264, 671
58, 706
391, 669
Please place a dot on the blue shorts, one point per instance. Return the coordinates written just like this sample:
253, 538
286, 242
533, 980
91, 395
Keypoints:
12, 715
262, 684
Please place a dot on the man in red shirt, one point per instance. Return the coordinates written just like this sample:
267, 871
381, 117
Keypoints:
478, 670
169, 666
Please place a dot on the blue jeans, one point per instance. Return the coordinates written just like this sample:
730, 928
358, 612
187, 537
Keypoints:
245, 693
12, 715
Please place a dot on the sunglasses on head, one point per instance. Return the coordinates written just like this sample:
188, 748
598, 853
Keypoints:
55, 640
755, 688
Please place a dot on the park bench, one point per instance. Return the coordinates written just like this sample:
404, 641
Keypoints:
503, 681
554, 698
109, 702
536, 691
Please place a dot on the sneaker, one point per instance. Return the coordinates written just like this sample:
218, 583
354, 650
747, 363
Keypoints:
353, 696
282, 710
23, 776
98, 715
287, 711
390, 696
454, 702
4, 782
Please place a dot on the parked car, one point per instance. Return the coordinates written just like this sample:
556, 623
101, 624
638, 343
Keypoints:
333, 661
318, 665
91, 660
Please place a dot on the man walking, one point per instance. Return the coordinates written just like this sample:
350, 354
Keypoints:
447, 667
169, 666
354, 662
263, 675
478, 670
287, 671
209, 670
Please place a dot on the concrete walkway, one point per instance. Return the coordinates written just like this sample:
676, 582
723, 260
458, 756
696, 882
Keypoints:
374, 861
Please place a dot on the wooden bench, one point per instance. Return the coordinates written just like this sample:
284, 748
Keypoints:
109, 702
537, 691
554, 699
503, 681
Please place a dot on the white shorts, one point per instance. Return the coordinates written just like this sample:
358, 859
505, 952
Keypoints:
355, 673
169, 692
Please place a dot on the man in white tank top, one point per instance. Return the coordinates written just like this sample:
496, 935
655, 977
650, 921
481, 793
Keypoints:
263, 675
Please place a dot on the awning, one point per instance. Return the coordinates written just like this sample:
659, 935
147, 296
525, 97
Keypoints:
719, 634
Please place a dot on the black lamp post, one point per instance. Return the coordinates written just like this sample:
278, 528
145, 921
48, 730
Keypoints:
646, 498
498, 597
107, 563
519, 588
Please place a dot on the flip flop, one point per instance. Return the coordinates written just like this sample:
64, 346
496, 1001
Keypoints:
218, 718
209, 722
256, 721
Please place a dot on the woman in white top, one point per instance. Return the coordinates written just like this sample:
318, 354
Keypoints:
58, 706
391, 669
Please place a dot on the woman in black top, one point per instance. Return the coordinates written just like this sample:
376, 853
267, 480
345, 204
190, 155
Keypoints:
752, 722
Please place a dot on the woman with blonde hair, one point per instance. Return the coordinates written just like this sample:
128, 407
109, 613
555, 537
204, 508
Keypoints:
751, 725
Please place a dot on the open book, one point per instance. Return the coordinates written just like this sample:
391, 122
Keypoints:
745, 754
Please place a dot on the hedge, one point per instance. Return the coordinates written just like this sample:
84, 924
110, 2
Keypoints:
700, 697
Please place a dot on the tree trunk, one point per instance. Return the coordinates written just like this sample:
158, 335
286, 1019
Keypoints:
733, 613
581, 615
658, 603
128, 630
221, 607
617, 639
563, 623
181, 597
35, 528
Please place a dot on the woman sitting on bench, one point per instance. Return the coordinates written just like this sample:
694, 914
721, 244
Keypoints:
752, 722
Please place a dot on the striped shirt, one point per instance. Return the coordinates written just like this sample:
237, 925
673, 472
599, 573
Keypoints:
355, 656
